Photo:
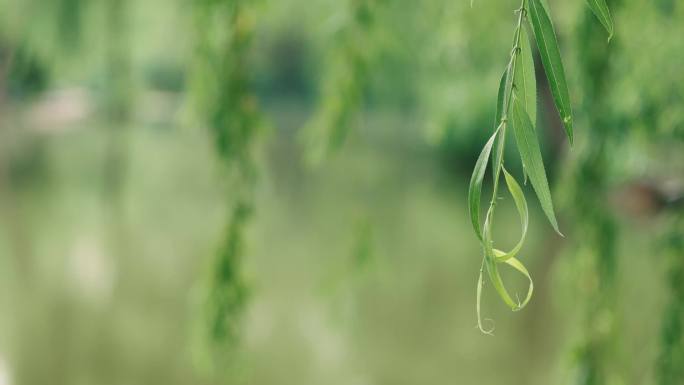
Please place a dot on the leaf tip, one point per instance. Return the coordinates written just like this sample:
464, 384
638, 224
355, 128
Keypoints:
558, 231
488, 332
567, 122
554, 224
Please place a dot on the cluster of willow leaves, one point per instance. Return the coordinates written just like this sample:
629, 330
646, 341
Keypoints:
517, 108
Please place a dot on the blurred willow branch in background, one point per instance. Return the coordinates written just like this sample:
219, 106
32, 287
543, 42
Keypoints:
117, 108
670, 361
226, 104
344, 82
588, 181
670, 364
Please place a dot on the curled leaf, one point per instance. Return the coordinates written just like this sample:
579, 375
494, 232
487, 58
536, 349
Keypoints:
500, 287
521, 206
497, 282
517, 265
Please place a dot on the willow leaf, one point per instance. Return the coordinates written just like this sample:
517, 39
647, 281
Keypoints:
498, 155
525, 81
475, 188
600, 9
492, 266
521, 206
500, 287
500, 101
550, 56
517, 265
528, 146
497, 282
480, 285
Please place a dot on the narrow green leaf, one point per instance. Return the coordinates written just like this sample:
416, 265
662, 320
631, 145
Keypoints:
492, 260
498, 152
550, 55
497, 282
498, 155
521, 206
525, 80
528, 146
475, 188
495, 277
600, 9
500, 97
480, 285
492, 268
493, 257
517, 265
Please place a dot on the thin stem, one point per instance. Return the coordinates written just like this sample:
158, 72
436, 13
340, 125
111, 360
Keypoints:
510, 81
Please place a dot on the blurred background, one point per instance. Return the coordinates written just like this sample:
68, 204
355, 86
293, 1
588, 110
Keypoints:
274, 192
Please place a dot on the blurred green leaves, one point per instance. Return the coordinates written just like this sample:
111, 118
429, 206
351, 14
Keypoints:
344, 83
228, 107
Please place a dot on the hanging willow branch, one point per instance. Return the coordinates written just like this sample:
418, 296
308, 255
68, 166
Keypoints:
344, 83
670, 365
596, 248
516, 107
229, 109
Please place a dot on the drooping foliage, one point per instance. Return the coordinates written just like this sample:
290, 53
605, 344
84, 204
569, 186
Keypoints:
344, 81
669, 365
670, 362
516, 107
118, 98
228, 108
587, 188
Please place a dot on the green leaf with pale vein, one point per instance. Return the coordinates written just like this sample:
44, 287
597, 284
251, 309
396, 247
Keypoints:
500, 97
530, 153
600, 9
525, 80
551, 59
498, 151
